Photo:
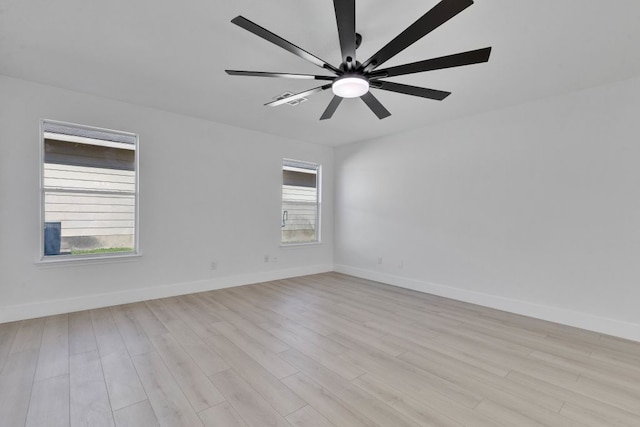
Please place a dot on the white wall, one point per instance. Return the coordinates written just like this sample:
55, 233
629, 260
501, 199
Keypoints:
533, 209
199, 185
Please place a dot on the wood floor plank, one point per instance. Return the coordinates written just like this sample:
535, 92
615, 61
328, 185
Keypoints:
211, 298
410, 332
423, 411
222, 414
193, 311
618, 344
120, 376
269, 387
308, 417
187, 315
106, 332
137, 415
235, 301
380, 344
8, 332
148, 320
505, 416
259, 335
269, 360
268, 310
630, 360
81, 336
194, 383
89, 400
49, 405
16, 382
408, 378
336, 364
29, 336
255, 411
300, 336
330, 406
200, 305
481, 382
53, 360
604, 372
459, 356
506, 404
432, 408
524, 363
525, 338
357, 400
483, 341
589, 404
207, 359
614, 395
122, 381
132, 333
340, 323
589, 416
297, 317
169, 404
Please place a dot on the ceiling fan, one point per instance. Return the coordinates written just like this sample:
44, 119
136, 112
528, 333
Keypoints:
352, 78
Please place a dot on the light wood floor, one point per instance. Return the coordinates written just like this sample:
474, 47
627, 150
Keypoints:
323, 350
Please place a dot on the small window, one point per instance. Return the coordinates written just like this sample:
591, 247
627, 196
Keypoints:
89, 191
300, 202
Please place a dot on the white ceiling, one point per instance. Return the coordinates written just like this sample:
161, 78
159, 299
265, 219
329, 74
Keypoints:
171, 55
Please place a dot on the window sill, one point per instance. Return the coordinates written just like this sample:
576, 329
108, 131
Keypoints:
61, 260
300, 245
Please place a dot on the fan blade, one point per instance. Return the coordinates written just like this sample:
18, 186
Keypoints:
423, 92
450, 61
256, 29
297, 96
331, 108
431, 20
375, 105
346, 20
279, 75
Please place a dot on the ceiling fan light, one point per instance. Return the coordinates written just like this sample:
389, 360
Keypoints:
350, 87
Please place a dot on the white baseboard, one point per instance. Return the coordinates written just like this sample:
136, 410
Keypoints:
69, 305
563, 316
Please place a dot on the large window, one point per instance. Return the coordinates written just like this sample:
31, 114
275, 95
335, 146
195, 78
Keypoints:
300, 202
89, 191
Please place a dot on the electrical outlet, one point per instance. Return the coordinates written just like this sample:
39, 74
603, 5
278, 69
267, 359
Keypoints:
401, 264
380, 260
274, 259
266, 258
214, 265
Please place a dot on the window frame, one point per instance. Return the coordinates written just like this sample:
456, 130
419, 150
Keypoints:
318, 231
85, 258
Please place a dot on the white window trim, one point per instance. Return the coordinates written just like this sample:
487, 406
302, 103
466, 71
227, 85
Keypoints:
88, 258
318, 168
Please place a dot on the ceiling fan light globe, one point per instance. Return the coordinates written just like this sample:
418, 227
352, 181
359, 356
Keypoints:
350, 87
